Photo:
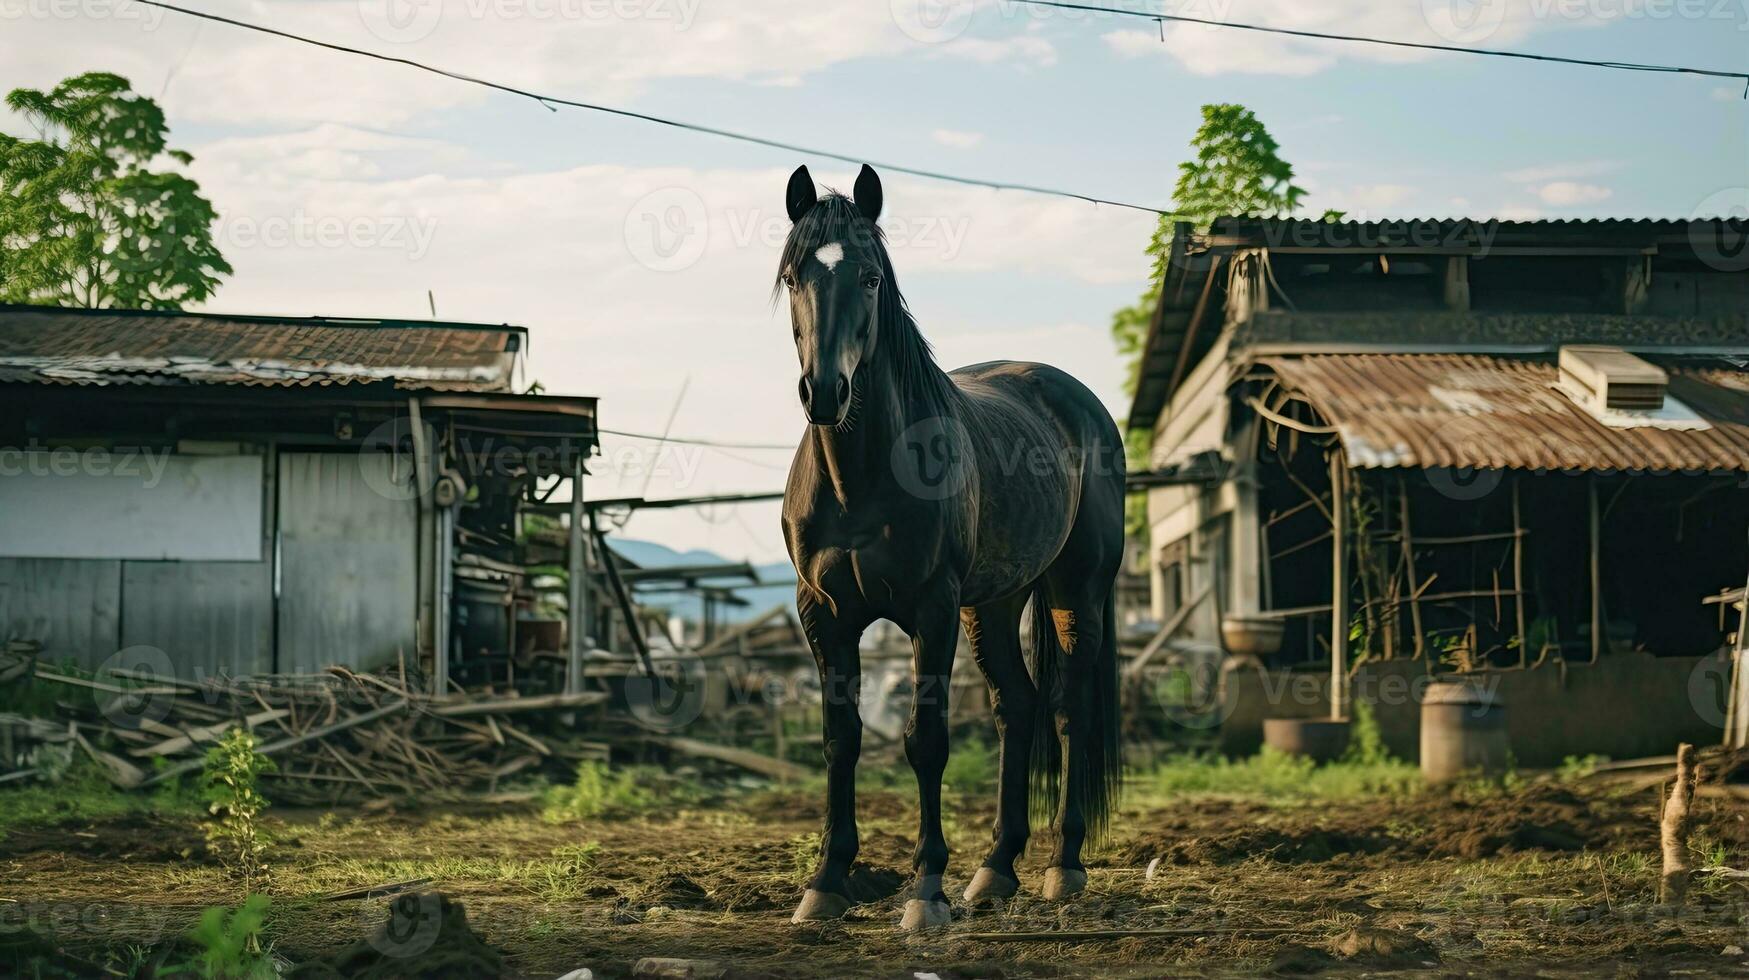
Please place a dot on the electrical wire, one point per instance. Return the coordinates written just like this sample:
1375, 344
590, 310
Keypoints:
551, 100
713, 443
1390, 42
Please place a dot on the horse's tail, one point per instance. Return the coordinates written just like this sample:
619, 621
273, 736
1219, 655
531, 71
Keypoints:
1100, 766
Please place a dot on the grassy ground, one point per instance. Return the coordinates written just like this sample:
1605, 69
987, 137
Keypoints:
1261, 865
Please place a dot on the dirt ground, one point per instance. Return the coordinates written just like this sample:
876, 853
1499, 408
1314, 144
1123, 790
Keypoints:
1557, 878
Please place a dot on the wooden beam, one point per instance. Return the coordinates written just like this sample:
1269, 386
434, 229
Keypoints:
1596, 525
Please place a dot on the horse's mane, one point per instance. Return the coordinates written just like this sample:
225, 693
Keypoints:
900, 348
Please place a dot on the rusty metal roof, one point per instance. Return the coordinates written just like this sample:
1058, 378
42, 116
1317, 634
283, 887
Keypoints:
1466, 410
47, 345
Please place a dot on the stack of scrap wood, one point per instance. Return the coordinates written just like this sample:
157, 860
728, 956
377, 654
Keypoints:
334, 736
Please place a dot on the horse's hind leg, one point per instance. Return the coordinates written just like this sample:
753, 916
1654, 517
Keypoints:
994, 632
1080, 596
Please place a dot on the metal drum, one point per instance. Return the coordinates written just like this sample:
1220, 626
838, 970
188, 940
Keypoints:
1463, 730
1318, 739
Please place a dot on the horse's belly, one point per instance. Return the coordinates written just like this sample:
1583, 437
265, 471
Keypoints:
1013, 551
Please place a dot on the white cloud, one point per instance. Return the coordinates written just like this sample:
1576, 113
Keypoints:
1571, 170
958, 139
1205, 49
593, 49
1368, 202
1022, 48
1567, 193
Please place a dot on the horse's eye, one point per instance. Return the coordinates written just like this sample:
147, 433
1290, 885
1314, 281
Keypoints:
872, 282
789, 280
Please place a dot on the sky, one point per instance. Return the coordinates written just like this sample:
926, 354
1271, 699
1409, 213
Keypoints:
641, 257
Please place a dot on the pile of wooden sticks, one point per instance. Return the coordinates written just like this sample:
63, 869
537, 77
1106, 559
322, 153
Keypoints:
334, 736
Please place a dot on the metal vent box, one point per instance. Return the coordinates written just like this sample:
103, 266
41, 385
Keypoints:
1611, 378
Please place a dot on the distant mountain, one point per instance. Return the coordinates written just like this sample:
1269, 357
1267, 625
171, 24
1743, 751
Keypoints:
777, 580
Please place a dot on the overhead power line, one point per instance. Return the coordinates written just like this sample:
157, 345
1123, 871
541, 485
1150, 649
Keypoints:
713, 443
1362, 39
552, 100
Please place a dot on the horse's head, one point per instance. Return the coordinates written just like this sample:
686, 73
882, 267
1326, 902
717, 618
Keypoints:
837, 274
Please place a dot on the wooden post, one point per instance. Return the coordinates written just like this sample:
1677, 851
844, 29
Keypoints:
1673, 825
1737, 705
1518, 567
1409, 567
1339, 584
1597, 645
578, 598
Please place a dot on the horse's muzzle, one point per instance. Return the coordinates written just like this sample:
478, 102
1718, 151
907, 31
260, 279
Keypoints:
825, 400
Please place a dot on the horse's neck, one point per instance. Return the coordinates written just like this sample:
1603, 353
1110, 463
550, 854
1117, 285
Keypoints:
859, 459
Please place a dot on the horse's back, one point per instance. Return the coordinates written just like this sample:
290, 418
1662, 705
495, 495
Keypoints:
1040, 388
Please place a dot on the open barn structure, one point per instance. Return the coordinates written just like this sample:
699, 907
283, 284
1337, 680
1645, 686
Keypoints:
1513, 451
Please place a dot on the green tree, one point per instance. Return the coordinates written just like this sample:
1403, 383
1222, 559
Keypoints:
1235, 169
85, 220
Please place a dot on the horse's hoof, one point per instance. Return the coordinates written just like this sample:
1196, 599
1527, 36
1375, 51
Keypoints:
817, 905
924, 914
1064, 882
990, 883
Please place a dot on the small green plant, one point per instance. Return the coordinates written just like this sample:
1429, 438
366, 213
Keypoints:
1366, 743
234, 804
971, 767
230, 944
1579, 766
596, 790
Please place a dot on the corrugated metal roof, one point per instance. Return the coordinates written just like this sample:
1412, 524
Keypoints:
44, 345
1465, 410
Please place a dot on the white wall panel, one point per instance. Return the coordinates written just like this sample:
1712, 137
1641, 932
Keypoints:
108, 505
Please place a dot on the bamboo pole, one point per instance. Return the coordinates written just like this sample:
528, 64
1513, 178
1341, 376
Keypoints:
1409, 566
1339, 585
1518, 568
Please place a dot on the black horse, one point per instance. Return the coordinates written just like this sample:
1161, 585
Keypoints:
935, 500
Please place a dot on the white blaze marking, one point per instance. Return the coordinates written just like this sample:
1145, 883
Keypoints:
829, 255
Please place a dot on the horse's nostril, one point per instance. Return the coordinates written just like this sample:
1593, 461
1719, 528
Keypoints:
843, 389
806, 390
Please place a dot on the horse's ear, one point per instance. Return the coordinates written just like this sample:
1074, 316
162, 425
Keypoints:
868, 192
800, 197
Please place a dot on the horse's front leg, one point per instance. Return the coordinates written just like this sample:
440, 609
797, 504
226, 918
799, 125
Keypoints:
934, 635
834, 642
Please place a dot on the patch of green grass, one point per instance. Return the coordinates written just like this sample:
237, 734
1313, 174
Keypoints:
1276, 777
83, 793
597, 790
